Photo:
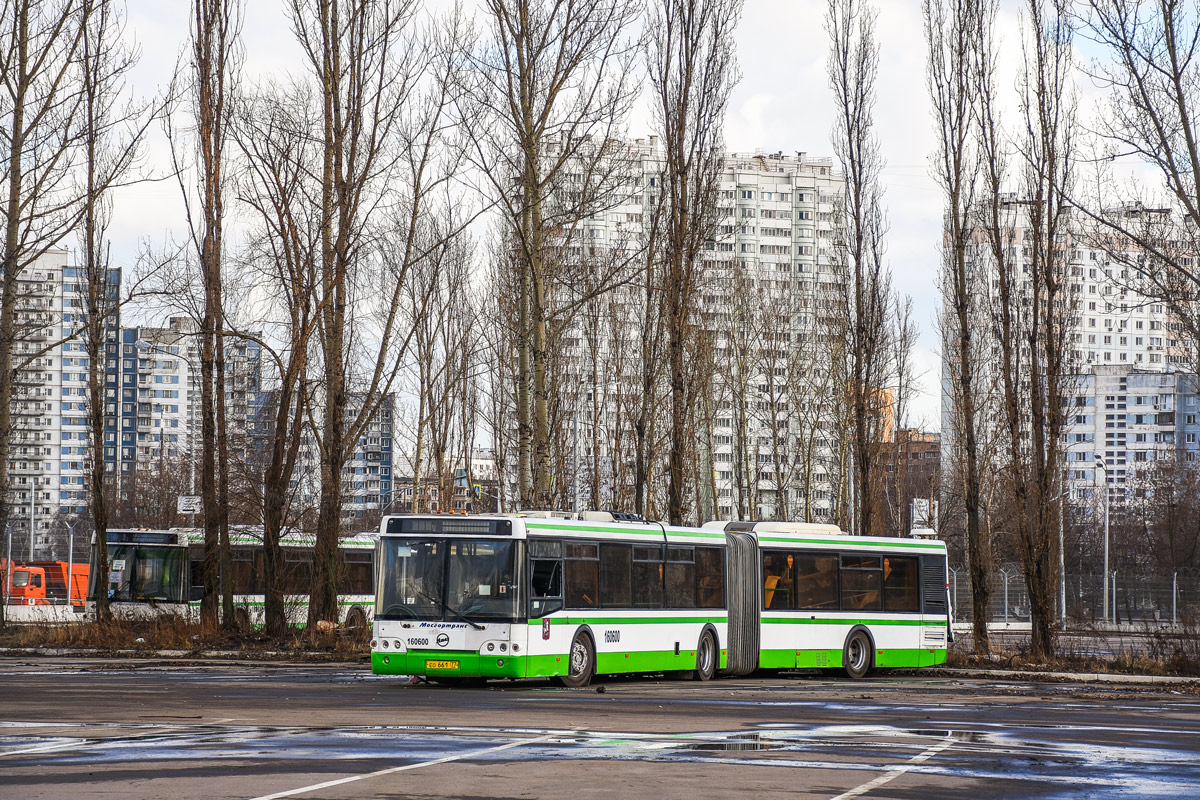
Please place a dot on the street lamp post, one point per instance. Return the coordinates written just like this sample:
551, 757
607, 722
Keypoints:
70, 561
1101, 467
8, 562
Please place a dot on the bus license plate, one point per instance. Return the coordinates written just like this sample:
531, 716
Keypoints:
441, 665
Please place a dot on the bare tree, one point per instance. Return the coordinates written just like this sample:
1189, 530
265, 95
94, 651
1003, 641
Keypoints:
692, 72
271, 131
443, 353
111, 136
382, 205
553, 86
895, 513
951, 28
1033, 316
41, 103
853, 70
212, 66
651, 330
1150, 70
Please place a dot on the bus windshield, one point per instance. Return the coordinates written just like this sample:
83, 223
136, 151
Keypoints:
467, 580
142, 573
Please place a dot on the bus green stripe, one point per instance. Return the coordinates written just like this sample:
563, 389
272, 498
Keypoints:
853, 544
696, 534
656, 534
938, 622
534, 623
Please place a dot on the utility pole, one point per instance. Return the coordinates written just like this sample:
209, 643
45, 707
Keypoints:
1100, 466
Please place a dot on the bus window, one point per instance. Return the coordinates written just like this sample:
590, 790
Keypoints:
582, 574
412, 578
545, 576
778, 584
297, 570
710, 577
862, 585
245, 579
680, 578
817, 581
615, 588
481, 580
546, 582
359, 574
647, 577
900, 591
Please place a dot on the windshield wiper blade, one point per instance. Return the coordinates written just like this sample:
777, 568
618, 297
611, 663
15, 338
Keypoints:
455, 612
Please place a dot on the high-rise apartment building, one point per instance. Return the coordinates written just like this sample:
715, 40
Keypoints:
47, 465
767, 278
368, 480
1125, 349
1128, 420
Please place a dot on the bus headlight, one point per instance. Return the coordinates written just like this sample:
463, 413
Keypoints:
384, 644
491, 647
503, 647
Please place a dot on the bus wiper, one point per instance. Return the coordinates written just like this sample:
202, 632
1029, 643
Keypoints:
455, 612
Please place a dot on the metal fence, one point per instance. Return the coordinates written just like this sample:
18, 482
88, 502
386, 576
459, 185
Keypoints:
1134, 600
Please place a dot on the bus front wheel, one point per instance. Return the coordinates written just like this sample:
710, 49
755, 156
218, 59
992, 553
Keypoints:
706, 658
581, 662
856, 656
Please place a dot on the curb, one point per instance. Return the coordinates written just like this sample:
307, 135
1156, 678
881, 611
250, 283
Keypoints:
1073, 677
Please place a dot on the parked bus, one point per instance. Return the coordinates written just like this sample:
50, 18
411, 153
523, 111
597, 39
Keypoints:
538, 596
153, 572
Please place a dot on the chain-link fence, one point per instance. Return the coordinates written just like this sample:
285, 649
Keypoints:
1134, 600
71, 549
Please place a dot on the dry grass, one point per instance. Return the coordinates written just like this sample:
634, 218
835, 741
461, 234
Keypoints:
1169, 653
177, 633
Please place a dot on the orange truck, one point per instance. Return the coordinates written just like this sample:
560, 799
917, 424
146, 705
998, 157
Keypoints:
42, 583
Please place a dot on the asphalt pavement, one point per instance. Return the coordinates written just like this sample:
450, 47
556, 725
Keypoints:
175, 728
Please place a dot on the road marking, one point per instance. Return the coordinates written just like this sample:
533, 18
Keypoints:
341, 781
45, 748
897, 772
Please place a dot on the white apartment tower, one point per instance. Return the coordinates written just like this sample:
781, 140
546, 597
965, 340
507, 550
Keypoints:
765, 273
1123, 346
47, 466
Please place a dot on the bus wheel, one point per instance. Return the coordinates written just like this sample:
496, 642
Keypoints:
581, 662
356, 624
856, 656
706, 658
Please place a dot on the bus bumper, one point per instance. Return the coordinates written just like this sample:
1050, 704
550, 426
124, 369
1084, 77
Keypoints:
444, 664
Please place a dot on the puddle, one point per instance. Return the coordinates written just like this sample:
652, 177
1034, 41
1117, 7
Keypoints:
740, 743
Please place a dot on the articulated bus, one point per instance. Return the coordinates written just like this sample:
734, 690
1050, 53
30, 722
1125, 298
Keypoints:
159, 572
492, 596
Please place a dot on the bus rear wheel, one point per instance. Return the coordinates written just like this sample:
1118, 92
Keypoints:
356, 625
856, 657
706, 658
581, 662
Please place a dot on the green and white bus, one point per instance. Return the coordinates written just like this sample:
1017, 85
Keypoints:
493, 596
159, 572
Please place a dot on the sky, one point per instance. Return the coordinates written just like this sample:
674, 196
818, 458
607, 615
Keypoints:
782, 103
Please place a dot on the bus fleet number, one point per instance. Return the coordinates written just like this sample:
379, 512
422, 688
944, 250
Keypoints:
612, 636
